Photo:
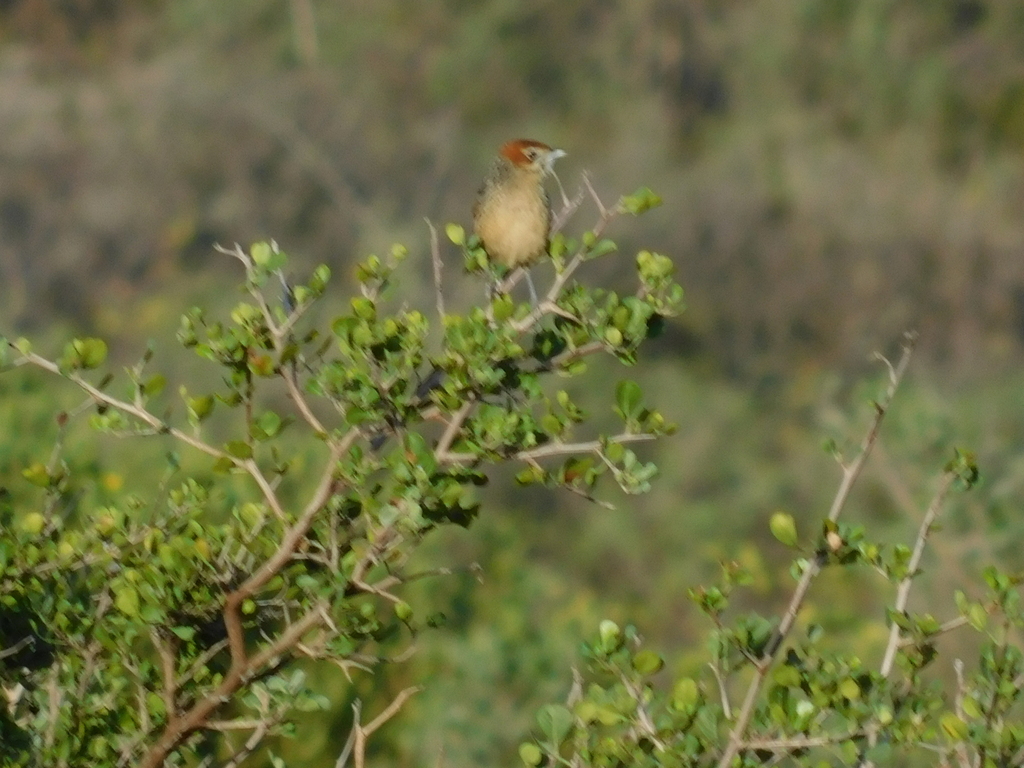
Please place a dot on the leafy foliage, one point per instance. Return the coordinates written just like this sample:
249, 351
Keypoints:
169, 619
806, 697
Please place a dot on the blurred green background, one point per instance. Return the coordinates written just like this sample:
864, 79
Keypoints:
834, 172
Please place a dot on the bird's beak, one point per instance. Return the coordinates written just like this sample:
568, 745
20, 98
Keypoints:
549, 161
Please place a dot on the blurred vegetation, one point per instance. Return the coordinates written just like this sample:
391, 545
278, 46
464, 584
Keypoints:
834, 171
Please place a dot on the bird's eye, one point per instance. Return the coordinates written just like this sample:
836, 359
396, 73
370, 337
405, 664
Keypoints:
530, 153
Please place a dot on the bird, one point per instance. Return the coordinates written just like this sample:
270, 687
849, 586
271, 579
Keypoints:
512, 213
512, 219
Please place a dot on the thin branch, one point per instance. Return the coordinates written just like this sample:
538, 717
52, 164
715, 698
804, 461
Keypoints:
279, 334
260, 730
958, 699
903, 590
435, 258
799, 742
380, 589
290, 541
288, 374
722, 691
122, 405
166, 670
161, 427
452, 430
178, 727
13, 649
233, 725
575, 694
569, 206
364, 732
944, 627
550, 298
643, 716
595, 197
350, 742
813, 567
392, 709
53, 696
202, 660
552, 449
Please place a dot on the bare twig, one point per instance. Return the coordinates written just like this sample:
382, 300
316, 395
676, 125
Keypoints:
290, 381
350, 742
722, 691
13, 649
364, 732
569, 206
435, 258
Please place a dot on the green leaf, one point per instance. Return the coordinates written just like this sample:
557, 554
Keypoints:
32, 523
92, 352
154, 386
554, 721
783, 528
364, 308
37, 474
270, 423
260, 253
628, 397
786, 676
977, 617
641, 200
199, 407
610, 634
648, 662
83, 353
849, 689
126, 600
603, 248
239, 449
457, 235
223, 465
267, 256
529, 752
185, 633
954, 728
685, 694
503, 307
971, 707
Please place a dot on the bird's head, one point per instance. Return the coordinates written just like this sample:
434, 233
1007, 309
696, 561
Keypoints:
529, 155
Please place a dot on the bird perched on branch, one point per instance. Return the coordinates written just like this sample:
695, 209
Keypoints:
512, 214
